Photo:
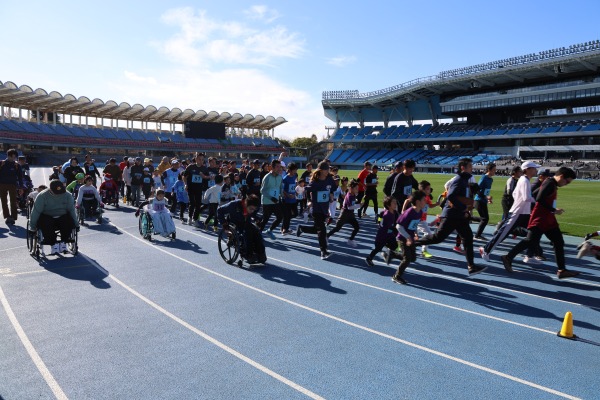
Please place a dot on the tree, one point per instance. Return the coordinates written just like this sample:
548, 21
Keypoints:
305, 142
285, 143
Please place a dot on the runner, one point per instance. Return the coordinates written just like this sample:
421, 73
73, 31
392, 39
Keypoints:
370, 193
404, 183
347, 214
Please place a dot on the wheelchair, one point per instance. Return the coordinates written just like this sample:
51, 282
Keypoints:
87, 209
35, 241
110, 197
146, 227
232, 247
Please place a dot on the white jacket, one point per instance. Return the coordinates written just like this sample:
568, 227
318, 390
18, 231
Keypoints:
213, 194
523, 197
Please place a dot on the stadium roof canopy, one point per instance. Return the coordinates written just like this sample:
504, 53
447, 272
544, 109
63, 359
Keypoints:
24, 97
419, 99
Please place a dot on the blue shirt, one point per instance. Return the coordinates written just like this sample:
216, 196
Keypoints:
485, 186
289, 187
318, 193
180, 193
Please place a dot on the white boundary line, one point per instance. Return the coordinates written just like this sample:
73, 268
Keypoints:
35, 357
205, 336
361, 327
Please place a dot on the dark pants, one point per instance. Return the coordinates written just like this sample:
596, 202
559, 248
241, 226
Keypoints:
182, 208
290, 210
347, 217
484, 216
408, 255
49, 225
268, 210
255, 245
135, 195
146, 189
195, 203
9, 191
390, 244
212, 213
122, 188
360, 196
533, 239
318, 228
369, 196
447, 226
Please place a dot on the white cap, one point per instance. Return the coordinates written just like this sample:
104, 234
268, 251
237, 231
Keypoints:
529, 164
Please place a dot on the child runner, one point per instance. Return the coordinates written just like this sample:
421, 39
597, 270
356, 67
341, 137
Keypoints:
147, 182
181, 195
362, 176
301, 197
212, 197
407, 225
423, 227
370, 193
320, 192
347, 215
161, 217
386, 233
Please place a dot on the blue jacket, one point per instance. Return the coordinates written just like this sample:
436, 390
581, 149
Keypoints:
457, 191
10, 173
180, 193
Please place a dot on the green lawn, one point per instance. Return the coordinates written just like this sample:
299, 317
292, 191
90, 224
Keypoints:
577, 199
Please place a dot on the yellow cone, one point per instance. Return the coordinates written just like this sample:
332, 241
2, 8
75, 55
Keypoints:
567, 327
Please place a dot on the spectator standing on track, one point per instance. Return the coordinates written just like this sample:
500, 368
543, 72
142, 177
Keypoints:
115, 171
127, 180
347, 214
11, 180
404, 183
370, 193
483, 198
543, 222
320, 193
362, 176
91, 169
122, 166
137, 174
407, 226
386, 233
270, 192
456, 214
519, 213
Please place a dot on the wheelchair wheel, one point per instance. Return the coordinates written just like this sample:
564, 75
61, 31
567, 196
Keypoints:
145, 226
229, 245
72, 247
32, 242
81, 215
99, 219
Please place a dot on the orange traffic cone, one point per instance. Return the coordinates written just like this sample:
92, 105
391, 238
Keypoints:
567, 327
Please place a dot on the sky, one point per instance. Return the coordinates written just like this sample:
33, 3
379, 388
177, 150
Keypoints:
267, 57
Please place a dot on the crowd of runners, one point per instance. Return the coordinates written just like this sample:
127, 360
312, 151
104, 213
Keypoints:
266, 197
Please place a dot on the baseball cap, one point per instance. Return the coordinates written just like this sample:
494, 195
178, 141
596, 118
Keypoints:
79, 176
529, 164
257, 161
147, 169
399, 164
147, 160
138, 159
57, 187
174, 161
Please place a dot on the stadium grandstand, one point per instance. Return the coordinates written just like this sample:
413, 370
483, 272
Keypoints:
47, 126
543, 106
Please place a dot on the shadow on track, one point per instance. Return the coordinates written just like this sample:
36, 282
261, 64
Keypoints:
303, 279
72, 267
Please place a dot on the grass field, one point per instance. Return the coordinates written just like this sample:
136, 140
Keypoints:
577, 199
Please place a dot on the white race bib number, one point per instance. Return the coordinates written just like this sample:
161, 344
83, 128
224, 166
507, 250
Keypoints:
413, 224
275, 193
243, 182
407, 190
196, 178
323, 196
425, 209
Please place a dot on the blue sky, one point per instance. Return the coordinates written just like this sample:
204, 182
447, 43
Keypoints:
267, 57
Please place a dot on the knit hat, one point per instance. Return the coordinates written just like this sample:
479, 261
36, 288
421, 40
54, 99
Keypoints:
57, 187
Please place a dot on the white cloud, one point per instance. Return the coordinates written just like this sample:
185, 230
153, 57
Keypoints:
341, 61
262, 13
202, 41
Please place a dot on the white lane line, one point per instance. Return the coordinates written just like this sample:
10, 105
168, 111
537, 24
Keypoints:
420, 298
205, 336
361, 327
35, 357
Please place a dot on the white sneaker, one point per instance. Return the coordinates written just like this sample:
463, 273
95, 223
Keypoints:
351, 243
63, 247
55, 249
484, 255
531, 260
305, 218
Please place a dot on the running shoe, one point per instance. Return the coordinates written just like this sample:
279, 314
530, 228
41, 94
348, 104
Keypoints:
481, 238
484, 255
507, 262
63, 247
271, 235
588, 236
369, 262
426, 254
298, 231
531, 260
55, 249
325, 255
565, 273
540, 258
458, 250
387, 257
585, 249
398, 279
475, 269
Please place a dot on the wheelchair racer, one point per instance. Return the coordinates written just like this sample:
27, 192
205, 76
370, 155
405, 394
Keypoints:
239, 213
53, 209
89, 196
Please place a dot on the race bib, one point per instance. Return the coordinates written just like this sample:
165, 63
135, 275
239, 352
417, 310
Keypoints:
425, 209
138, 176
307, 179
323, 196
147, 180
196, 178
211, 183
275, 193
300, 196
468, 194
291, 187
554, 204
180, 189
374, 180
91, 168
158, 207
413, 224
243, 182
407, 190
486, 192
256, 180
